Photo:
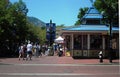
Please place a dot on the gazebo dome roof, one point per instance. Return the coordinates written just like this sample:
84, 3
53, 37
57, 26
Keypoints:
91, 23
91, 28
92, 13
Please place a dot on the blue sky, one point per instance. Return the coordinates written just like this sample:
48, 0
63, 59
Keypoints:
60, 11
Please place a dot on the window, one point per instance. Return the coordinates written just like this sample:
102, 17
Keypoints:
77, 42
95, 42
84, 41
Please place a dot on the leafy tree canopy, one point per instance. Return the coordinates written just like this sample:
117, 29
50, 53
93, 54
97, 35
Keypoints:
109, 8
80, 15
14, 27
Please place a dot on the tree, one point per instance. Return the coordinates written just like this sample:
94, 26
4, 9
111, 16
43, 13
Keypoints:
5, 27
20, 20
110, 10
36, 34
12, 25
15, 29
81, 13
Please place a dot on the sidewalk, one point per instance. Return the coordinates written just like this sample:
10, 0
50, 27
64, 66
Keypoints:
56, 60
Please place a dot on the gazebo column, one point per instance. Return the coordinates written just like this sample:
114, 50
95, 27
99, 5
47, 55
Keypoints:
72, 43
88, 44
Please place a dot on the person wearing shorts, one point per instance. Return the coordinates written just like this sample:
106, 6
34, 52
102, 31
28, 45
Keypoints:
21, 52
29, 51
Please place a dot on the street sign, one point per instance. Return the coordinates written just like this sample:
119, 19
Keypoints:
50, 32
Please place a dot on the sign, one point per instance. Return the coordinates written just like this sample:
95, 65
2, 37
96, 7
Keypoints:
50, 31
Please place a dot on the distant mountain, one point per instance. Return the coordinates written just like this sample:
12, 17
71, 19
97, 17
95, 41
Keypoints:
36, 21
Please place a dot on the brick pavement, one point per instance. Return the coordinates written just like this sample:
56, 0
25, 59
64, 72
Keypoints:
56, 60
54, 66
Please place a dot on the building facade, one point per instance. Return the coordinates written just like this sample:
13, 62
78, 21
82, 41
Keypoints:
87, 39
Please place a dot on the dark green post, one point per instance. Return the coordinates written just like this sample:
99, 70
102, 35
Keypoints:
110, 47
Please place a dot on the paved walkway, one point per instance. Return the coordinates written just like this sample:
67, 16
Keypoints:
54, 66
56, 60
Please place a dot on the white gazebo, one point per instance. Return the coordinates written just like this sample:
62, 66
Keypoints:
87, 39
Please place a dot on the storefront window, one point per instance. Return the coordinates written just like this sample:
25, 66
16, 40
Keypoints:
95, 42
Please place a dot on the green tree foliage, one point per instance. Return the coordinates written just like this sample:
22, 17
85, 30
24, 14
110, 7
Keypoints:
109, 8
14, 27
36, 33
15, 17
80, 15
60, 26
19, 23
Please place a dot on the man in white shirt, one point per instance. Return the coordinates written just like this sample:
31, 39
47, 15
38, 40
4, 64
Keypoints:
29, 51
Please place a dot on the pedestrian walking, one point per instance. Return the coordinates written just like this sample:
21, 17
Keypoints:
34, 49
60, 53
47, 50
55, 48
21, 51
29, 51
101, 56
40, 50
24, 51
37, 50
43, 48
